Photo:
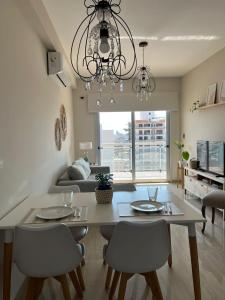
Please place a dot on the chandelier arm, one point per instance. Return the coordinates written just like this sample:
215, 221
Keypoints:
116, 4
86, 56
90, 5
117, 28
88, 27
71, 48
151, 79
114, 11
127, 30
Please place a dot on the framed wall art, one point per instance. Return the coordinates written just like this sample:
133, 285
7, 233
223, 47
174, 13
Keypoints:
58, 138
222, 92
63, 121
211, 96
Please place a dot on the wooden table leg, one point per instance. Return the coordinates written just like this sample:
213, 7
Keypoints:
7, 264
170, 255
194, 261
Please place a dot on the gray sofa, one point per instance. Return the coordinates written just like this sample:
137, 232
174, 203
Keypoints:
81, 174
85, 185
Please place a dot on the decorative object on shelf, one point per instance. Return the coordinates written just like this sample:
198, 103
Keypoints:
58, 137
104, 191
195, 106
211, 95
96, 50
85, 146
194, 163
222, 92
184, 155
143, 82
63, 121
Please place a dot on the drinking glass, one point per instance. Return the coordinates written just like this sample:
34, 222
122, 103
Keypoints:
67, 198
153, 193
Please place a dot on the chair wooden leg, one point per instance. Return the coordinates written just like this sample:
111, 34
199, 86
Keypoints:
213, 214
116, 278
76, 283
80, 278
30, 289
154, 284
38, 287
65, 287
7, 266
170, 255
123, 284
204, 216
83, 262
108, 277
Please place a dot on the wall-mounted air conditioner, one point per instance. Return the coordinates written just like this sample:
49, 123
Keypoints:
55, 67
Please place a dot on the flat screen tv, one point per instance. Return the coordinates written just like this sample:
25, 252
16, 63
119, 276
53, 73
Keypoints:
202, 155
216, 158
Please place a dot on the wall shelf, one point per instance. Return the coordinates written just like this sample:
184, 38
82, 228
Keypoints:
203, 107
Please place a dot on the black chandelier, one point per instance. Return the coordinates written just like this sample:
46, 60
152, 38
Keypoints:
96, 50
143, 82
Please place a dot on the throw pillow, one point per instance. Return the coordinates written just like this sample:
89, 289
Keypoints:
76, 172
85, 165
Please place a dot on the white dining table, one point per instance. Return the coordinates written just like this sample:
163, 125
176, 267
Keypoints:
102, 214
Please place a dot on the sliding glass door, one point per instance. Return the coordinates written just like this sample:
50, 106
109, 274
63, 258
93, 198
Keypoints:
150, 145
115, 143
135, 144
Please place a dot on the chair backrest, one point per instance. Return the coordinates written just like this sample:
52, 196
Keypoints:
138, 248
45, 251
61, 189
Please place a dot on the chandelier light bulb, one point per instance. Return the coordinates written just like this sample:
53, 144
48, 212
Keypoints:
104, 45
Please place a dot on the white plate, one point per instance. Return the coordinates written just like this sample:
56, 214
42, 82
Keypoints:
55, 212
147, 206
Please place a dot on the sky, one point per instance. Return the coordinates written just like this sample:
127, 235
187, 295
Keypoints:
119, 120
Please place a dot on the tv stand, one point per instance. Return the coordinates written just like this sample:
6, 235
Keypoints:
200, 183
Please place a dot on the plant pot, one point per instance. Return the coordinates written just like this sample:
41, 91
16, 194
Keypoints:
182, 163
103, 196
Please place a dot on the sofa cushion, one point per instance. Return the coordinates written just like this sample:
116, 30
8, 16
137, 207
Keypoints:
85, 165
64, 176
76, 172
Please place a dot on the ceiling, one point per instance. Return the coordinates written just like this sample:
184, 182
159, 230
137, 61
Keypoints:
181, 33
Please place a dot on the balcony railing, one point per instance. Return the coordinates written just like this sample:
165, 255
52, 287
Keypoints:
148, 157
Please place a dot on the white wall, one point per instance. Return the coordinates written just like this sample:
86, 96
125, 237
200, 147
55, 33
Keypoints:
29, 105
206, 124
86, 117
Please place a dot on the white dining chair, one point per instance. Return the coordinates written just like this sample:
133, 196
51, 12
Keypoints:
41, 252
138, 248
78, 232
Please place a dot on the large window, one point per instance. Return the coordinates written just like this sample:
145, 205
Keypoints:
133, 153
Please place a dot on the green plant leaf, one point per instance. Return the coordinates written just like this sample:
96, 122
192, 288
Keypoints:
185, 155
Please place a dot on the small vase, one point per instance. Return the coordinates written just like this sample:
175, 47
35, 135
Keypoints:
103, 196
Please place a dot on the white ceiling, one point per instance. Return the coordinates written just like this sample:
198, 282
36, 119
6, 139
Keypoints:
159, 19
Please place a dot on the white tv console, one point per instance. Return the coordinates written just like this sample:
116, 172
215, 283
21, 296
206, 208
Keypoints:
201, 183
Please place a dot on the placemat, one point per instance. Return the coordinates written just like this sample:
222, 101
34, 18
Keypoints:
125, 210
31, 218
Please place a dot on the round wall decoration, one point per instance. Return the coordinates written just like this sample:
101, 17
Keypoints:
63, 121
58, 138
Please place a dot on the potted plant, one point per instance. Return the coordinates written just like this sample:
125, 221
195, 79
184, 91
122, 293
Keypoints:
184, 155
104, 191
